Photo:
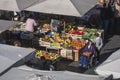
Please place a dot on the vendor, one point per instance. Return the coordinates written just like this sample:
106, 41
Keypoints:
30, 24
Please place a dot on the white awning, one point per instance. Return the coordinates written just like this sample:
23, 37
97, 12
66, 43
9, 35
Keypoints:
110, 66
16, 5
64, 7
5, 25
18, 74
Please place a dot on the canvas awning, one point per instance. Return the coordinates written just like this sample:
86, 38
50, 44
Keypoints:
110, 66
13, 56
5, 64
16, 5
17, 54
17, 74
64, 7
4, 25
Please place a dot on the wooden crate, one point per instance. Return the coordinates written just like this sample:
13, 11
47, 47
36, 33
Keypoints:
75, 55
66, 53
63, 53
69, 54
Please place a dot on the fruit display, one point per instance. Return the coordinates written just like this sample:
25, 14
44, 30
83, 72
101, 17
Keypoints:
77, 31
71, 40
57, 45
85, 33
47, 55
74, 39
46, 27
90, 34
19, 26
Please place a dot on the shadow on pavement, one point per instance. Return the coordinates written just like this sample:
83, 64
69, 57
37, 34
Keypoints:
104, 56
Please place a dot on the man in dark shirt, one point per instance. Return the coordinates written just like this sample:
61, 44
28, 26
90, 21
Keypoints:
106, 16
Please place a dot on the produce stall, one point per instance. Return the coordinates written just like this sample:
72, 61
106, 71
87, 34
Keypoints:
68, 43
51, 53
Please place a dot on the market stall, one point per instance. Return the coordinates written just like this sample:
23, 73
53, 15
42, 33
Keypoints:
67, 44
70, 42
54, 44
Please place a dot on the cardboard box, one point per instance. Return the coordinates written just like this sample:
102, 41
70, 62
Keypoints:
63, 53
69, 54
43, 43
66, 53
76, 57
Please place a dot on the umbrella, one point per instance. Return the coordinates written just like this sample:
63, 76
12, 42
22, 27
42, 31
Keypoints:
16, 5
5, 64
17, 54
110, 66
17, 74
64, 7
5, 25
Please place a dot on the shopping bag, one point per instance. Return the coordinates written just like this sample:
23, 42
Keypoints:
87, 54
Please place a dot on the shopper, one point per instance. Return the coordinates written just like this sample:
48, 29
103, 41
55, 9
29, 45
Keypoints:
98, 44
98, 41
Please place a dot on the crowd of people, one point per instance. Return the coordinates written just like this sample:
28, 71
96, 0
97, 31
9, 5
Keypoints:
106, 15
107, 18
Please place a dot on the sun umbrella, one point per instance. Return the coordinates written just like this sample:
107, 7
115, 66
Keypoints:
13, 56
64, 7
110, 66
16, 5
5, 25
17, 74
5, 64
16, 54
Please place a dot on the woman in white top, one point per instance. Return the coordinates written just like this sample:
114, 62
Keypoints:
98, 43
